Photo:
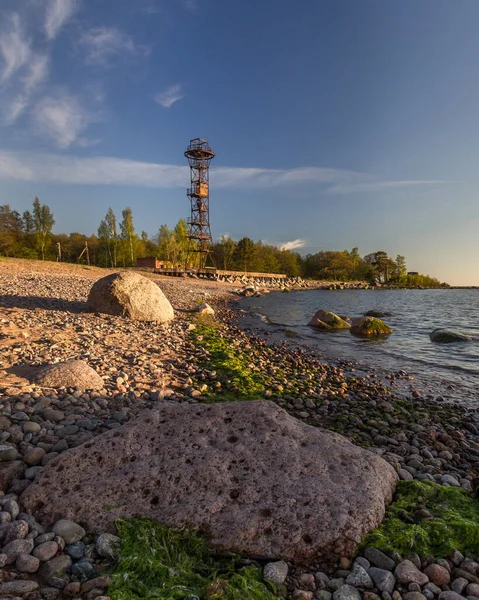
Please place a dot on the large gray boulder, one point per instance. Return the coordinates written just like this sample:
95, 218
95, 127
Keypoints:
71, 373
250, 476
130, 295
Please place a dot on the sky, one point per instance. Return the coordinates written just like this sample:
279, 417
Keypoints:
335, 123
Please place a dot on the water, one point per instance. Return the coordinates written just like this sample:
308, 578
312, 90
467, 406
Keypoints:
451, 370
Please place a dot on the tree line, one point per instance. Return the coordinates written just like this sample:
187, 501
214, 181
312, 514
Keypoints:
117, 244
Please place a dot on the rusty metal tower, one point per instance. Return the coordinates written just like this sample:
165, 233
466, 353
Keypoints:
199, 155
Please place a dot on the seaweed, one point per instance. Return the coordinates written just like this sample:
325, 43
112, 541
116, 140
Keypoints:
158, 562
229, 361
429, 519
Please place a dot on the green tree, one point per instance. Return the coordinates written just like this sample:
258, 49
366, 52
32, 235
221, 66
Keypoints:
244, 254
380, 262
43, 222
401, 269
110, 220
182, 242
165, 244
128, 234
11, 231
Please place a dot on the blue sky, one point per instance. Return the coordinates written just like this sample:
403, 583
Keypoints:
336, 123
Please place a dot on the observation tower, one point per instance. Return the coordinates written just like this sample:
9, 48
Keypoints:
199, 155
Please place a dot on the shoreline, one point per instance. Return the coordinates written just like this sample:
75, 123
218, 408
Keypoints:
145, 366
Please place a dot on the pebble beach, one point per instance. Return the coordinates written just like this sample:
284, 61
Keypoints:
44, 319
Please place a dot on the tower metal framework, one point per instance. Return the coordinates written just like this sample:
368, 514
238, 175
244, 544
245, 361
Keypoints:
199, 155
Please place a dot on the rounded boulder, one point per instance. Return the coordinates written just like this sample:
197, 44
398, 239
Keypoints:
132, 296
72, 373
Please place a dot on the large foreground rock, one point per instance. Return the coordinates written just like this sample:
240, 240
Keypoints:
250, 476
130, 295
72, 373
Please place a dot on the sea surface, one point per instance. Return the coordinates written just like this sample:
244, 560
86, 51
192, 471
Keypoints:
449, 370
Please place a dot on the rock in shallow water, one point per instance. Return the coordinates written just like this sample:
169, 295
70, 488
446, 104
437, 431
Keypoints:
448, 336
235, 470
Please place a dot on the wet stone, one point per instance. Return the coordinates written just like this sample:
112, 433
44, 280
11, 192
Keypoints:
69, 531
45, 551
55, 568
384, 580
17, 588
379, 559
76, 550
359, 578
82, 571
27, 564
347, 592
273, 571
406, 572
17, 547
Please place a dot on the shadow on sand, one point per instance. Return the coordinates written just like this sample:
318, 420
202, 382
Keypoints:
43, 302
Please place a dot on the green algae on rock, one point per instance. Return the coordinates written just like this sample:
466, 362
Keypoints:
369, 326
229, 361
429, 519
328, 320
165, 563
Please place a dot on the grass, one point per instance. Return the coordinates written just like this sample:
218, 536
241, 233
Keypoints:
157, 562
229, 361
454, 526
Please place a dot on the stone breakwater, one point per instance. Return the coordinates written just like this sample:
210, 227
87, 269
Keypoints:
43, 320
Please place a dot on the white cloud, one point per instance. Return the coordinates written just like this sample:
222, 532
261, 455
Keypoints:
293, 244
65, 119
15, 48
61, 118
103, 44
190, 5
15, 109
169, 96
57, 14
379, 186
37, 72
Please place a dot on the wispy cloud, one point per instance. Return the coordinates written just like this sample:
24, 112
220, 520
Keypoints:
37, 73
293, 244
58, 13
66, 119
190, 5
169, 96
62, 118
381, 186
15, 47
105, 44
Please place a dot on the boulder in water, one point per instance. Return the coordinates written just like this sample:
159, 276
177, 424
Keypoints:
130, 295
256, 480
327, 320
378, 314
369, 326
448, 336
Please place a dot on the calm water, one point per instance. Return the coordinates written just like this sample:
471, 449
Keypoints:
451, 370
